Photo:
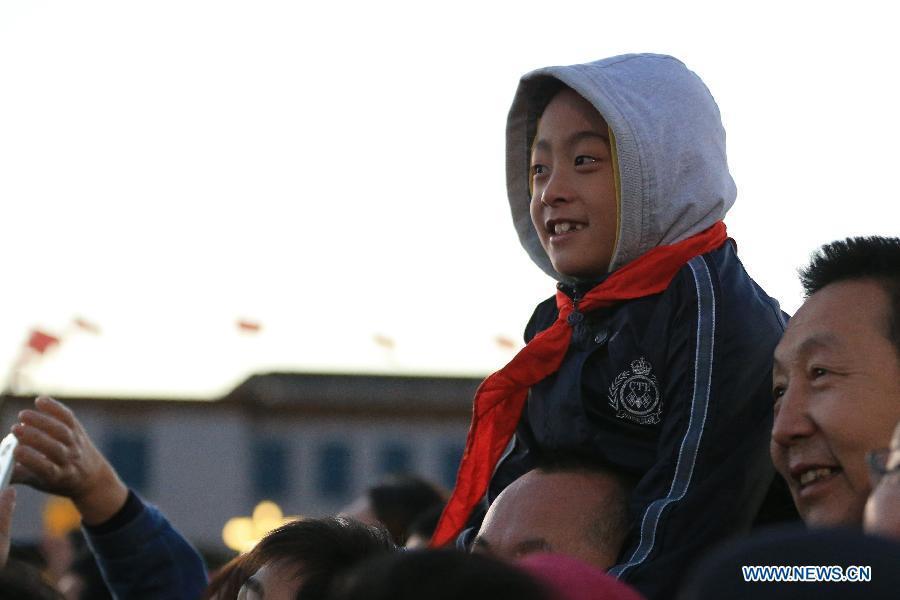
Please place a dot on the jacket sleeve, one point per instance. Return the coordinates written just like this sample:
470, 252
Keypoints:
146, 557
712, 467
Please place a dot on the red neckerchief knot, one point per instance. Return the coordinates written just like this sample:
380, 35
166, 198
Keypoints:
501, 397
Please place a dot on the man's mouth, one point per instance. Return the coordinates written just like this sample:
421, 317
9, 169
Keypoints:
813, 475
561, 227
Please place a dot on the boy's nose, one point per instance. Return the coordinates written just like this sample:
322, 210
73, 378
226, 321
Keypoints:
556, 191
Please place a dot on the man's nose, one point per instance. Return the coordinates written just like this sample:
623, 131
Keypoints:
792, 421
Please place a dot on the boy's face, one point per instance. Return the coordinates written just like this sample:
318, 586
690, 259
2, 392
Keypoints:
573, 194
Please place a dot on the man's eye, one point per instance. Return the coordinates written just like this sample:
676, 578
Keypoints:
778, 392
817, 372
584, 160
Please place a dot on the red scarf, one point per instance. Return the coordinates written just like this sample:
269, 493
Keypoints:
501, 397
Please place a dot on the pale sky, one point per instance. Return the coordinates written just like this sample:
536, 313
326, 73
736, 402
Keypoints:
334, 171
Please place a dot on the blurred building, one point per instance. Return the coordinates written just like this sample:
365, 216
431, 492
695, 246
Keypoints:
309, 442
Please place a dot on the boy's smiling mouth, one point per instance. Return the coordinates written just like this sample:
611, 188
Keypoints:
557, 227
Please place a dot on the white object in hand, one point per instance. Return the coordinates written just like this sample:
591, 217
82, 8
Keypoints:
7, 461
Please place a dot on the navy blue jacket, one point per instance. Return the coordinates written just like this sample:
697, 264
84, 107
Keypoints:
142, 557
674, 389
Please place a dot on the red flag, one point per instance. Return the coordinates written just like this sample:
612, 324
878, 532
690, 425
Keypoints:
249, 326
41, 342
383, 341
504, 342
86, 325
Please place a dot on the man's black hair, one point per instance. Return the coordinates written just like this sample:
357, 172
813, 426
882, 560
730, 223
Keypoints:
875, 258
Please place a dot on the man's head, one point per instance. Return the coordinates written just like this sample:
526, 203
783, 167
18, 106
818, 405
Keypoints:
574, 206
836, 378
308, 554
566, 508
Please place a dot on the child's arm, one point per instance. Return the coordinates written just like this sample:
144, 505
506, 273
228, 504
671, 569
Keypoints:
713, 468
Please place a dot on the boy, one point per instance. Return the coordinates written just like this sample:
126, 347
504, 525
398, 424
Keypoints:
655, 354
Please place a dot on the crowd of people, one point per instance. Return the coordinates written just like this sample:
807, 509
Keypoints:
665, 428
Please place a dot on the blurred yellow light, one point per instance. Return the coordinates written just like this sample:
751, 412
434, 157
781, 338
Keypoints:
60, 516
243, 533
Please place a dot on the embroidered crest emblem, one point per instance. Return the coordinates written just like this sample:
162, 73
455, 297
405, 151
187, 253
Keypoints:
635, 394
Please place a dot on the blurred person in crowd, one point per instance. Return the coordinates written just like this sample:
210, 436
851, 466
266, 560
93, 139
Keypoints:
395, 503
300, 559
836, 379
138, 552
568, 505
23, 581
823, 556
568, 578
882, 514
422, 528
83, 579
437, 575
18, 580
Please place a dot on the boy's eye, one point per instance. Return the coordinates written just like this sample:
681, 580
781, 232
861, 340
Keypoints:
538, 170
584, 160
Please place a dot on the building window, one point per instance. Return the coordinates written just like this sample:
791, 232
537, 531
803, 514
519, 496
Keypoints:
394, 459
451, 454
127, 453
270, 469
334, 470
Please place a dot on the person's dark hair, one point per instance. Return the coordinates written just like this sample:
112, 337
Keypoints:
425, 524
321, 548
876, 258
226, 582
437, 575
399, 500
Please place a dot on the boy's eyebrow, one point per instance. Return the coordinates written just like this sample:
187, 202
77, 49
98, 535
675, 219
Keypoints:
588, 134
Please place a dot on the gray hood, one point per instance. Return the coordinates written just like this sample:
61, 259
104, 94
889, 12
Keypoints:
673, 172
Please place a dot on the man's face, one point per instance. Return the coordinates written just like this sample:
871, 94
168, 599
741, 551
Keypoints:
836, 383
273, 581
573, 202
553, 512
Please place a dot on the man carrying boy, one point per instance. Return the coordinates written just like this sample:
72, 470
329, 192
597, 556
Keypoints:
655, 353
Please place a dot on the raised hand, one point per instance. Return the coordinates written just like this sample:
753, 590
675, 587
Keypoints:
56, 455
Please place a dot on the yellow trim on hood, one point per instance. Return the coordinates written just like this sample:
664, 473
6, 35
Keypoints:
615, 166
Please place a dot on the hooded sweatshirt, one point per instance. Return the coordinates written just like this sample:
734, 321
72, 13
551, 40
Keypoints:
669, 140
672, 389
